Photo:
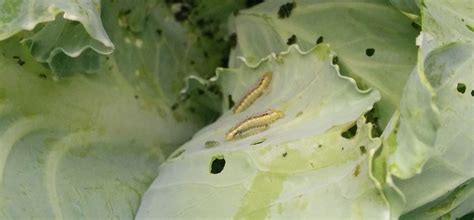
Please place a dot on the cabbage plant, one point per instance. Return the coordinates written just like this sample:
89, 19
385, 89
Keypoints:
233, 109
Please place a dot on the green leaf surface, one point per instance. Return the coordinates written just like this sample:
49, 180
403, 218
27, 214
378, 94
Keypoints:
300, 167
375, 43
88, 145
71, 39
461, 196
410, 8
18, 15
429, 152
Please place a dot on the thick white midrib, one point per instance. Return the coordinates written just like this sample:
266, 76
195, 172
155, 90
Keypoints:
55, 155
15, 132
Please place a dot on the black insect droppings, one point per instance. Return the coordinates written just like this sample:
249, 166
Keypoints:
250, 3
461, 87
319, 40
206, 54
217, 164
285, 9
200, 92
284, 154
135, 96
42, 76
19, 61
349, 133
370, 52
291, 40
319, 146
158, 31
472, 92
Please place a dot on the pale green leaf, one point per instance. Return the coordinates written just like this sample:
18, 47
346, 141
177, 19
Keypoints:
301, 167
375, 43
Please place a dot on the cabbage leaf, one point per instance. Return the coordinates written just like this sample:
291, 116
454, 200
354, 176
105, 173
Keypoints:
301, 167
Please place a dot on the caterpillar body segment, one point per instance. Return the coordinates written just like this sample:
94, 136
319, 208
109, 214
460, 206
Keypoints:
255, 93
254, 124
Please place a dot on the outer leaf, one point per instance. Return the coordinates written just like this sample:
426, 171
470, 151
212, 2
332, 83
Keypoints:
431, 147
17, 15
60, 41
301, 167
87, 146
436, 118
350, 28
446, 204
66, 47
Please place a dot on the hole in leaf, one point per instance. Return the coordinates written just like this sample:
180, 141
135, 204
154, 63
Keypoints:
470, 27
351, 132
285, 10
174, 106
231, 102
372, 117
291, 40
363, 150
335, 59
233, 40
319, 40
250, 3
416, 26
461, 87
370, 52
468, 216
217, 164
